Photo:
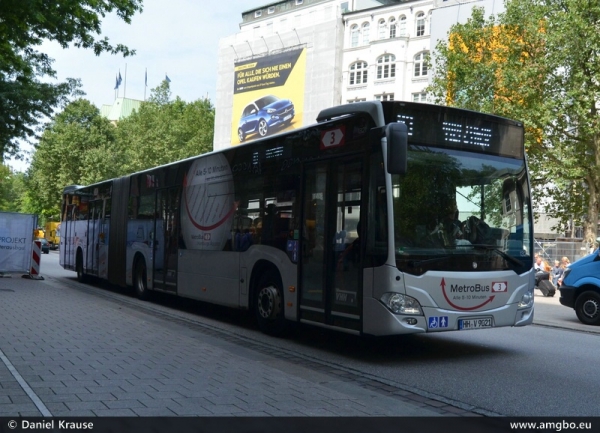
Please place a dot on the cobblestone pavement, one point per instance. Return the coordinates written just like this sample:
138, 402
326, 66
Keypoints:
73, 350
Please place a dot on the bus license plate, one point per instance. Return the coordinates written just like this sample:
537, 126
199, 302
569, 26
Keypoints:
475, 323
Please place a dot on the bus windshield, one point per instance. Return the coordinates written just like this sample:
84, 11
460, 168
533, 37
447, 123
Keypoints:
460, 211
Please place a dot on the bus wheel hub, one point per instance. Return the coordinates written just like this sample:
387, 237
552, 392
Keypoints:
268, 302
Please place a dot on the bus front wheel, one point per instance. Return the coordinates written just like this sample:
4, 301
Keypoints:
269, 304
140, 280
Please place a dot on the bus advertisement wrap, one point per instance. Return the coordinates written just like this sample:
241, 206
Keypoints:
208, 204
16, 241
268, 95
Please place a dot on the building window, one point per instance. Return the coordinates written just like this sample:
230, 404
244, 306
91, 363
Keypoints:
386, 66
420, 24
419, 97
402, 26
365, 33
271, 9
354, 36
257, 14
385, 97
381, 29
299, 2
344, 7
392, 24
352, 101
421, 64
358, 73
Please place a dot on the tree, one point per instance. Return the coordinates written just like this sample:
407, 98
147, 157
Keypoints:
538, 62
78, 147
13, 192
165, 130
24, 24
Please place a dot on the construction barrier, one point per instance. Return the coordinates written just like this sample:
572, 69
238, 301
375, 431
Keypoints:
34, 272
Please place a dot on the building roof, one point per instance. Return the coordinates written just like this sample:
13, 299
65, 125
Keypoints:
120, 109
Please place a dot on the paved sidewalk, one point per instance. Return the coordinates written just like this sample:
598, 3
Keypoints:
66, 351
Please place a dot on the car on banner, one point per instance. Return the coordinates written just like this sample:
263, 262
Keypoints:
264, 114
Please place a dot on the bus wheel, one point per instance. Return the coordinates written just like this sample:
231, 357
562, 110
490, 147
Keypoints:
81, 276
140, 280
587, 308
269, 304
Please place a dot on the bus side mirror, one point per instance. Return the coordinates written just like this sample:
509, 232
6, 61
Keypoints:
397, 145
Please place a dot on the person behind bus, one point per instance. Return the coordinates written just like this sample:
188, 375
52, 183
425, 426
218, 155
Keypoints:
542, 269
351, 254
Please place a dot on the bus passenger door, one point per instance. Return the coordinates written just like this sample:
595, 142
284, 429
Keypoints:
94, 216
165, 239
331, 267
67, 249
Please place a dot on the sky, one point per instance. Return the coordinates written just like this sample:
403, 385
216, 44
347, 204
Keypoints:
175, 38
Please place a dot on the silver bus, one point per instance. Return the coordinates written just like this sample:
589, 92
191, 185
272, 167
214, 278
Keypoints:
382, 218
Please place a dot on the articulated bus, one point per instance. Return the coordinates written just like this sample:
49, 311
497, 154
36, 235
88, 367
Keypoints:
342, 224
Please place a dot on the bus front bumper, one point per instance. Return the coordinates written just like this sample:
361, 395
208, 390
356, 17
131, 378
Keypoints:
379, 321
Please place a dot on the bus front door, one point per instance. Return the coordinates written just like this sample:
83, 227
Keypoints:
165, 239
331, 270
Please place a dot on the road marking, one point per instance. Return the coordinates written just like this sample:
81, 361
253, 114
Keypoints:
32, 395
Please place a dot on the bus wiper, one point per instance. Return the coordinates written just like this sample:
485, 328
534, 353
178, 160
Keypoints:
418, 263
498, 251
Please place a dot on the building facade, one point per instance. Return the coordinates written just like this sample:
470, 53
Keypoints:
301, 56
295, 57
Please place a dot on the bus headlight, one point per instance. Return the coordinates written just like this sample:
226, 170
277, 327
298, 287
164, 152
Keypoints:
526, 300
401, 304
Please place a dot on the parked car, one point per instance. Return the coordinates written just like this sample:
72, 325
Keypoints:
580, 288
262, 115
45, 245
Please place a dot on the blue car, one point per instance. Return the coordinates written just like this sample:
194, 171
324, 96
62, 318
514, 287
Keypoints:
264, 114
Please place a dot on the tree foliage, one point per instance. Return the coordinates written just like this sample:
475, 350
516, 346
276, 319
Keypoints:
77, 147
166, 130
538, 62
80, 147
24, 25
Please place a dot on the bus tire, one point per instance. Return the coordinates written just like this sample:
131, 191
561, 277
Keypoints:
140, 284
81, 275
587, 308
269, 304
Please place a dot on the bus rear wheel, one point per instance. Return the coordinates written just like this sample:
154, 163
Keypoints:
140, 280
269, 304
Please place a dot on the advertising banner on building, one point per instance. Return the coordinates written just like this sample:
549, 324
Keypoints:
268, 95
16, 241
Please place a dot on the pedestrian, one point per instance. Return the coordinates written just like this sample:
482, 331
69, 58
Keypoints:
557, 271
564, 262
